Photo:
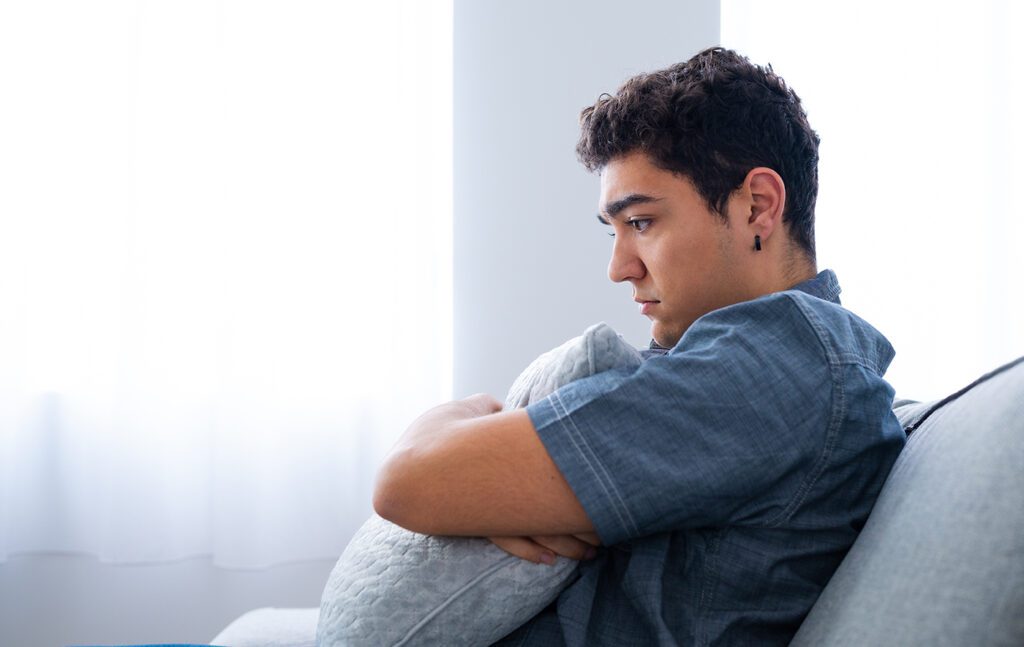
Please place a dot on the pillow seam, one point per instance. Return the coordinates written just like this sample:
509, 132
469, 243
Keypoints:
451, 599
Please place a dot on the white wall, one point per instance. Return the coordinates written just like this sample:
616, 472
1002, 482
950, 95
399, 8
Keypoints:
920, 156
530, 265
530, 258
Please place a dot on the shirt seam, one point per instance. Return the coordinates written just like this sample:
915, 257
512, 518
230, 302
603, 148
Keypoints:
844, 357
594, 465
709, 586
837, 413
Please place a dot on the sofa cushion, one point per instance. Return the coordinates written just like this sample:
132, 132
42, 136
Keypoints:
941, 558
271, 627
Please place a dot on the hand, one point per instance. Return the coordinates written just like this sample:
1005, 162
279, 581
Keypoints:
543, 549
475, 406
478, 405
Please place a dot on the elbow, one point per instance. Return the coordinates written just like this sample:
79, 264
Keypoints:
388, 507
394, 498
387, 496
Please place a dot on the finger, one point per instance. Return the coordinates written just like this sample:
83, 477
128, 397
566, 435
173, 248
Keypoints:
524, 548
567, 546
589, 537
483, 403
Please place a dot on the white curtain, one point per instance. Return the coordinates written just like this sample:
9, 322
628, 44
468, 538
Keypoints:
225, 269
919, 106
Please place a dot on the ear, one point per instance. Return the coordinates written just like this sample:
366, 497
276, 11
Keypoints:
767, 201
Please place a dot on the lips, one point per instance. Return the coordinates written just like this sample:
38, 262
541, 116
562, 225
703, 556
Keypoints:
645, 305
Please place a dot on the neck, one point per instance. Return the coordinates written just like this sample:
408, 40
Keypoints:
804, 270
783, 274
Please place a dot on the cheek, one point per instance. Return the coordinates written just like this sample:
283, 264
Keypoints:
667, 253
677, 260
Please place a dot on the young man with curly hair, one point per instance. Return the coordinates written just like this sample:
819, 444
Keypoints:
712, 492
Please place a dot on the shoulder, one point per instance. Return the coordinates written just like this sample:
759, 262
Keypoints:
791, 325
772, 326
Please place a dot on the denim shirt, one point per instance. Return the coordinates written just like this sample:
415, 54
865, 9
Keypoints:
726, 477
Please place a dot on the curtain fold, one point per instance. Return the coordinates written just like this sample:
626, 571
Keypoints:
225, 270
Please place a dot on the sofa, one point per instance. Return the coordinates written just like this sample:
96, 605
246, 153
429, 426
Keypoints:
939, 562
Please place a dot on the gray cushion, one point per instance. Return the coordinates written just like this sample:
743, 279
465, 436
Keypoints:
941, 558
395, 587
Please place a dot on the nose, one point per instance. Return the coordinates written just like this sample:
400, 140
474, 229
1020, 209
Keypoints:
625, 265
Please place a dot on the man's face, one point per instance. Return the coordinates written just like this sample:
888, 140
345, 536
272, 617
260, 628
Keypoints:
680, 257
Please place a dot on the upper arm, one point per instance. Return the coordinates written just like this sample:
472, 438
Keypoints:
486, 476
727, 431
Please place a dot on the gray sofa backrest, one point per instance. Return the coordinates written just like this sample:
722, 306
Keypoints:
941, 558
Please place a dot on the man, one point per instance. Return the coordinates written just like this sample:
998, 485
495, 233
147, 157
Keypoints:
730, 473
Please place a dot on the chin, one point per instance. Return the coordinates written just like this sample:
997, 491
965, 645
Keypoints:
665, 337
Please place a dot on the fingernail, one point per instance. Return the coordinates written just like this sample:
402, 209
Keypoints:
591, 553
547, 558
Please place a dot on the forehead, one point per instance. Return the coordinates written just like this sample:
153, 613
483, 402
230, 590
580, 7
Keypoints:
635, 174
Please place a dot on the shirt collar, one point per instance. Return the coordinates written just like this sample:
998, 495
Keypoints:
824, 286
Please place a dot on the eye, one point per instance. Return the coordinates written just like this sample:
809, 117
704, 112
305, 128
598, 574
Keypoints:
639, 224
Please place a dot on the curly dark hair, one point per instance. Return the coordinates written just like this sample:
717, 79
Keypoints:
712, 119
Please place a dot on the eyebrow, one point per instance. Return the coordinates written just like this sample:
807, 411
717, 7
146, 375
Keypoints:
620, 205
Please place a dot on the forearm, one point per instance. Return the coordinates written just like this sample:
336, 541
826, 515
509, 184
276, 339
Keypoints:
420, 453
467, 468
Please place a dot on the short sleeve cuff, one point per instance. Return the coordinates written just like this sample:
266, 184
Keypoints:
590, 481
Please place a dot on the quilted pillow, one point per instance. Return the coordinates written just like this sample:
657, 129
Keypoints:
396, 587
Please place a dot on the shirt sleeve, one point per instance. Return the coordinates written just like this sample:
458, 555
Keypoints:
728, 428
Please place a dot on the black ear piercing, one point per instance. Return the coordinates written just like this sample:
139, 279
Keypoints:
757, 243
